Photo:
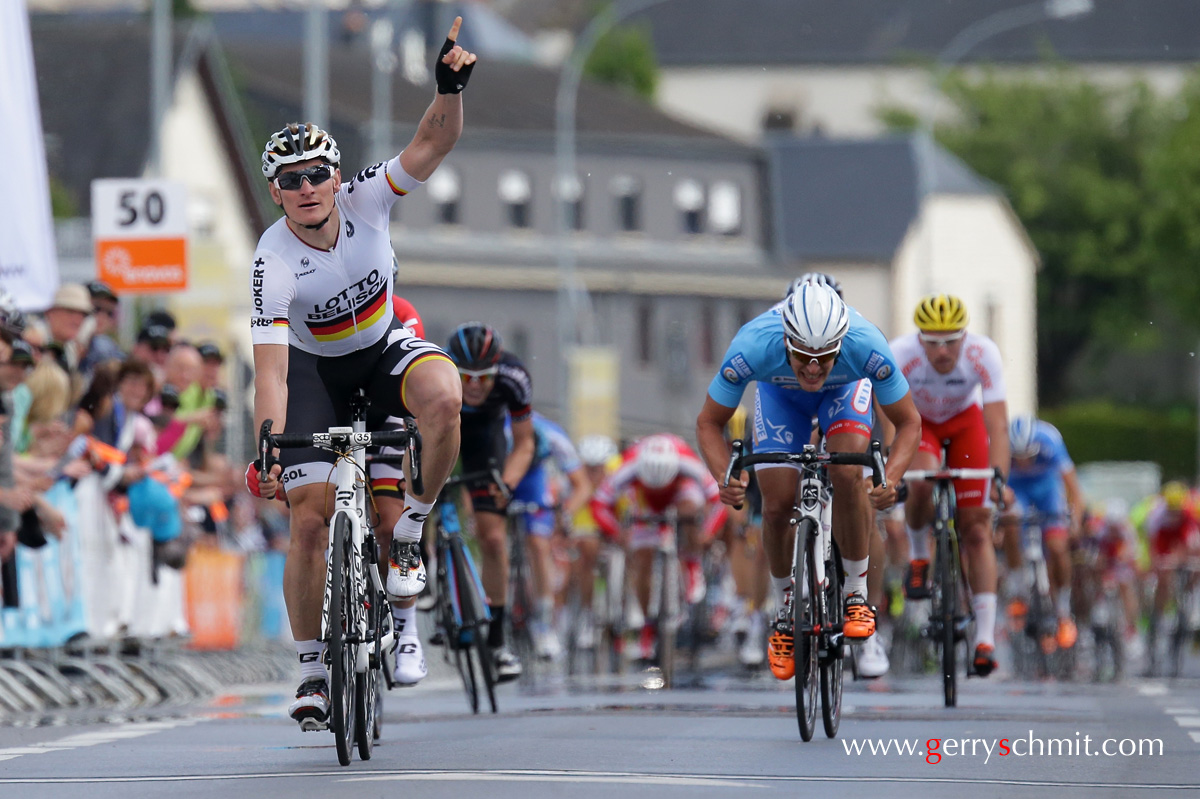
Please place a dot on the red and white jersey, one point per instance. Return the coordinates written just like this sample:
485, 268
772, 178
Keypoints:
977, 378
624, 482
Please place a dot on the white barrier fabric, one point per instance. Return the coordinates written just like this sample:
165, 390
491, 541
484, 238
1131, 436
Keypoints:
28, 264
96, 580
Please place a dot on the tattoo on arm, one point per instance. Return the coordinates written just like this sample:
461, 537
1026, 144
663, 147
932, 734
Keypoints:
437, 120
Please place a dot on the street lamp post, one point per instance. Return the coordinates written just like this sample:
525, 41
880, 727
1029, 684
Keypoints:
575, 324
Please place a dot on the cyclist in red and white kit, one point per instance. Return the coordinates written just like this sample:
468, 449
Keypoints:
1173, 533
658, 473
322, 328
957, 384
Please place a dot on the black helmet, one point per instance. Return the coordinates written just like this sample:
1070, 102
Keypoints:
475, 345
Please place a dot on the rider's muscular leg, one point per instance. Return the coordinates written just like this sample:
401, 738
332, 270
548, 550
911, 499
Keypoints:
304, 570
540, 565
1058, 562
778, 486
433, 394
979, 553
851, 508
492, 532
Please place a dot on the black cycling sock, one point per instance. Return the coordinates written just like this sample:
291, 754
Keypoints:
496, 628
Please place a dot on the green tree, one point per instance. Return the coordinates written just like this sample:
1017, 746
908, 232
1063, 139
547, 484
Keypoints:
625, 57
1072, 158
1173, 218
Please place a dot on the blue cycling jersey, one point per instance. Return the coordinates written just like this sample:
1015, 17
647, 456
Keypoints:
1050, 462
757, 352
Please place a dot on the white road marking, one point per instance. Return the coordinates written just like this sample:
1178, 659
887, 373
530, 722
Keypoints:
1181, 711
1188, 721
1195, 736
94, 738
624, 777
1152, 689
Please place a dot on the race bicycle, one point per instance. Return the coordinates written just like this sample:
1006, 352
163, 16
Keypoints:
461, 612
950, 604
816, 606
356, 622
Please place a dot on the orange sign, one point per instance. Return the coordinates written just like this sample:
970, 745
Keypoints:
213, 581
142, 265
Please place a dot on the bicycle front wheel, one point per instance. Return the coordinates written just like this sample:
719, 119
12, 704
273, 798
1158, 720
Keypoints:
342, 652
948, 586
804, 621
832, 664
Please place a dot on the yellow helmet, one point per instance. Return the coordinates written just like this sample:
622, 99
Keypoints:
1175, 495
941, 313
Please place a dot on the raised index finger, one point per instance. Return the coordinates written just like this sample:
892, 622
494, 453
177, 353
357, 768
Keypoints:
453, 35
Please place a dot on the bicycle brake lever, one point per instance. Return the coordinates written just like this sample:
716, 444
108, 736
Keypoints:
878, 476
735, 461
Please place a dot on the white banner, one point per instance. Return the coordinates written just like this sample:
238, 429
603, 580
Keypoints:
28, 263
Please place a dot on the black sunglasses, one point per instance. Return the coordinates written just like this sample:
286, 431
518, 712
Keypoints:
292, 181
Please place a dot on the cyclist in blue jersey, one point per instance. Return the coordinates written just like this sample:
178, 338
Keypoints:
1043, 479
551, 446
812, 356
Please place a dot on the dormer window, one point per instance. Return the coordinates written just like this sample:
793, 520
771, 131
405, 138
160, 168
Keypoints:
689, 200
725, 208
445, 189
516, 192
627, 190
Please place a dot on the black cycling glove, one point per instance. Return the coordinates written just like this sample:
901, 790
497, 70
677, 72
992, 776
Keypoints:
449, 81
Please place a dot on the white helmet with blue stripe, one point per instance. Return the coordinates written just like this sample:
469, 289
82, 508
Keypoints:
1022, 436
815, 319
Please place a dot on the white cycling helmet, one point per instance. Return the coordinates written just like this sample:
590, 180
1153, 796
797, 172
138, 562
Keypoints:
817, 278
815, 319
596, 450
657, 461
298, 142
1022, 436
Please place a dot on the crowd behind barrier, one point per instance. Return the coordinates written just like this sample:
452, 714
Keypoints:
121, 519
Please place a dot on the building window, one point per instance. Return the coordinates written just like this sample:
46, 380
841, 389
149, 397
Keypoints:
725, 208
645, 332
570, 194
445, 189
516, 192
779, 119
689, 200
628, 193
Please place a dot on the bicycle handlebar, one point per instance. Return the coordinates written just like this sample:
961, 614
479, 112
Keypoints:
872, 458
933, 475
409, 437
490, 475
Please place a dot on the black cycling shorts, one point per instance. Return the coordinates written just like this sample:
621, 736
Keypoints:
320, 389
483, 442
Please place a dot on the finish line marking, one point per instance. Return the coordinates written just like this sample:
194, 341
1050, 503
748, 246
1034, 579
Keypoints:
613, 777
94, 738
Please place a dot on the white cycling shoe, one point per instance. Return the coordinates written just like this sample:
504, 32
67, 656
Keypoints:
311, 707
406, 570
410, 661
871, 658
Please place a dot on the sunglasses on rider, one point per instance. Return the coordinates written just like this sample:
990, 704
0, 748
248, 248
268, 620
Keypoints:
292, 181
803, 356
482, 375
941, 340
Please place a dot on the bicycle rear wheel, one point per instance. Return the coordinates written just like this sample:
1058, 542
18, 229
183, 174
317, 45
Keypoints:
342, 653
804, 620
832, 664
368, 691
948, 586
519, 613
487, 667
668, 613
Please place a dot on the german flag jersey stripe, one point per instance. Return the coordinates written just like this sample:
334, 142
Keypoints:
345, 325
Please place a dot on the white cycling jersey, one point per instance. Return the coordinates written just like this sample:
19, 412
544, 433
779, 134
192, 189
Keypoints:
977, 378
338, 301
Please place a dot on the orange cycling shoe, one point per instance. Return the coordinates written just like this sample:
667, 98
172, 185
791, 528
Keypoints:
1067, 634
985, 659
781, 651
1017, 608
916, 580
859, 624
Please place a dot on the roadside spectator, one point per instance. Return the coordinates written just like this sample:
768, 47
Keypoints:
152, 347
97, 408
135, 387
71, 307
101, 346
